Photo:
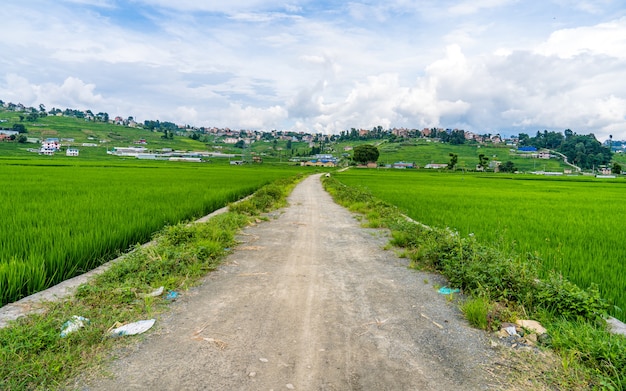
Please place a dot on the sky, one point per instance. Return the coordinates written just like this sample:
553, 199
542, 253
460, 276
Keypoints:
486, 66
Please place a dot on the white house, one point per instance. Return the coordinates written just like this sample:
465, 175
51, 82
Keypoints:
51, 143
71, 152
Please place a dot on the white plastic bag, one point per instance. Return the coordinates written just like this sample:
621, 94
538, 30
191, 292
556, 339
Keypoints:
132, 328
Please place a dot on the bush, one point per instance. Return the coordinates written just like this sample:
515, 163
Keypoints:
567, 300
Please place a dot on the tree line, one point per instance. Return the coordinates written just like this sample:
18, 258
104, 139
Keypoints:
585, 151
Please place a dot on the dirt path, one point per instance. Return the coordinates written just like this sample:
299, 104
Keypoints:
308, 301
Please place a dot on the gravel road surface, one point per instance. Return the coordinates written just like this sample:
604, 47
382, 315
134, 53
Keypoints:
309, 300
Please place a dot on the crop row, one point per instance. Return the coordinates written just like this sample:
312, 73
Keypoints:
572, 225
60, 221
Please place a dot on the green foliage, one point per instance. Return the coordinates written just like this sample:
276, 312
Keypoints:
454, 159
600, 354
567, 300
422, 152
98, 132
483, 161
267, 197
70, 219
476, 311
583, 150
507, 166
20, 128
500, 284
35, 356
616, 168
556, 220
365, 153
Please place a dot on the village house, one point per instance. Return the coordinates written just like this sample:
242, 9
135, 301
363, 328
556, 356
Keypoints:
402, 132
8, 132
545, 154
403, 165
321, 160
436, 166
51, 143
231, 140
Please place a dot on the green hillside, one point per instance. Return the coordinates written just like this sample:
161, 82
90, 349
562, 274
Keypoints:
424, 151
77, 132
102, 136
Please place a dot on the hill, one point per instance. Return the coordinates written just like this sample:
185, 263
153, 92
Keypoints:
93, 138
424, 151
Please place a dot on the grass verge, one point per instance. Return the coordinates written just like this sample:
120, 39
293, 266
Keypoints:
502, 287
33, 354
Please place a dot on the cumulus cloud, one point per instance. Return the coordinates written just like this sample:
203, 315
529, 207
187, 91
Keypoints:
254, 117
325, 67
73, 93
603, 39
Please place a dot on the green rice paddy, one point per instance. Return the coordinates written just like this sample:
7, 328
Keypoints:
573, 224
60, 220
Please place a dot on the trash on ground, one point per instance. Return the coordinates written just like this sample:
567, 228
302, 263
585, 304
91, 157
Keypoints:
155, 293
73, 324
531, 325
448, 291
171, 295
132, 328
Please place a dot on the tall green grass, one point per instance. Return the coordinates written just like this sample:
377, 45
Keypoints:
60, 221
572, 224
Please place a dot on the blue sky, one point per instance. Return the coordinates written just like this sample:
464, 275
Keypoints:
488, 66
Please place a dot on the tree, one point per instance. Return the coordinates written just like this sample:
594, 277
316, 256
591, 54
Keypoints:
616, 168
457, 137
482, 161
20, 128
365, 153
508, 166
22, 139
454, 158
240, 144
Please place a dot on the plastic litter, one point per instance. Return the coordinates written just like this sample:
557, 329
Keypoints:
132, 328
75, 323
171, 295
511, 330
448, 291
154, 293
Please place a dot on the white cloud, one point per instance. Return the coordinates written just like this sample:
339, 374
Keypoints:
482, 65
473, 6
249, 117
73, 93
602, 39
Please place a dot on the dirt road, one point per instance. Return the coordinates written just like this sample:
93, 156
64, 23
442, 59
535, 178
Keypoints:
308, 301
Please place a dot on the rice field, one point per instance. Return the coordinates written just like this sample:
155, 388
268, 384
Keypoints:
574, 225
61, 220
